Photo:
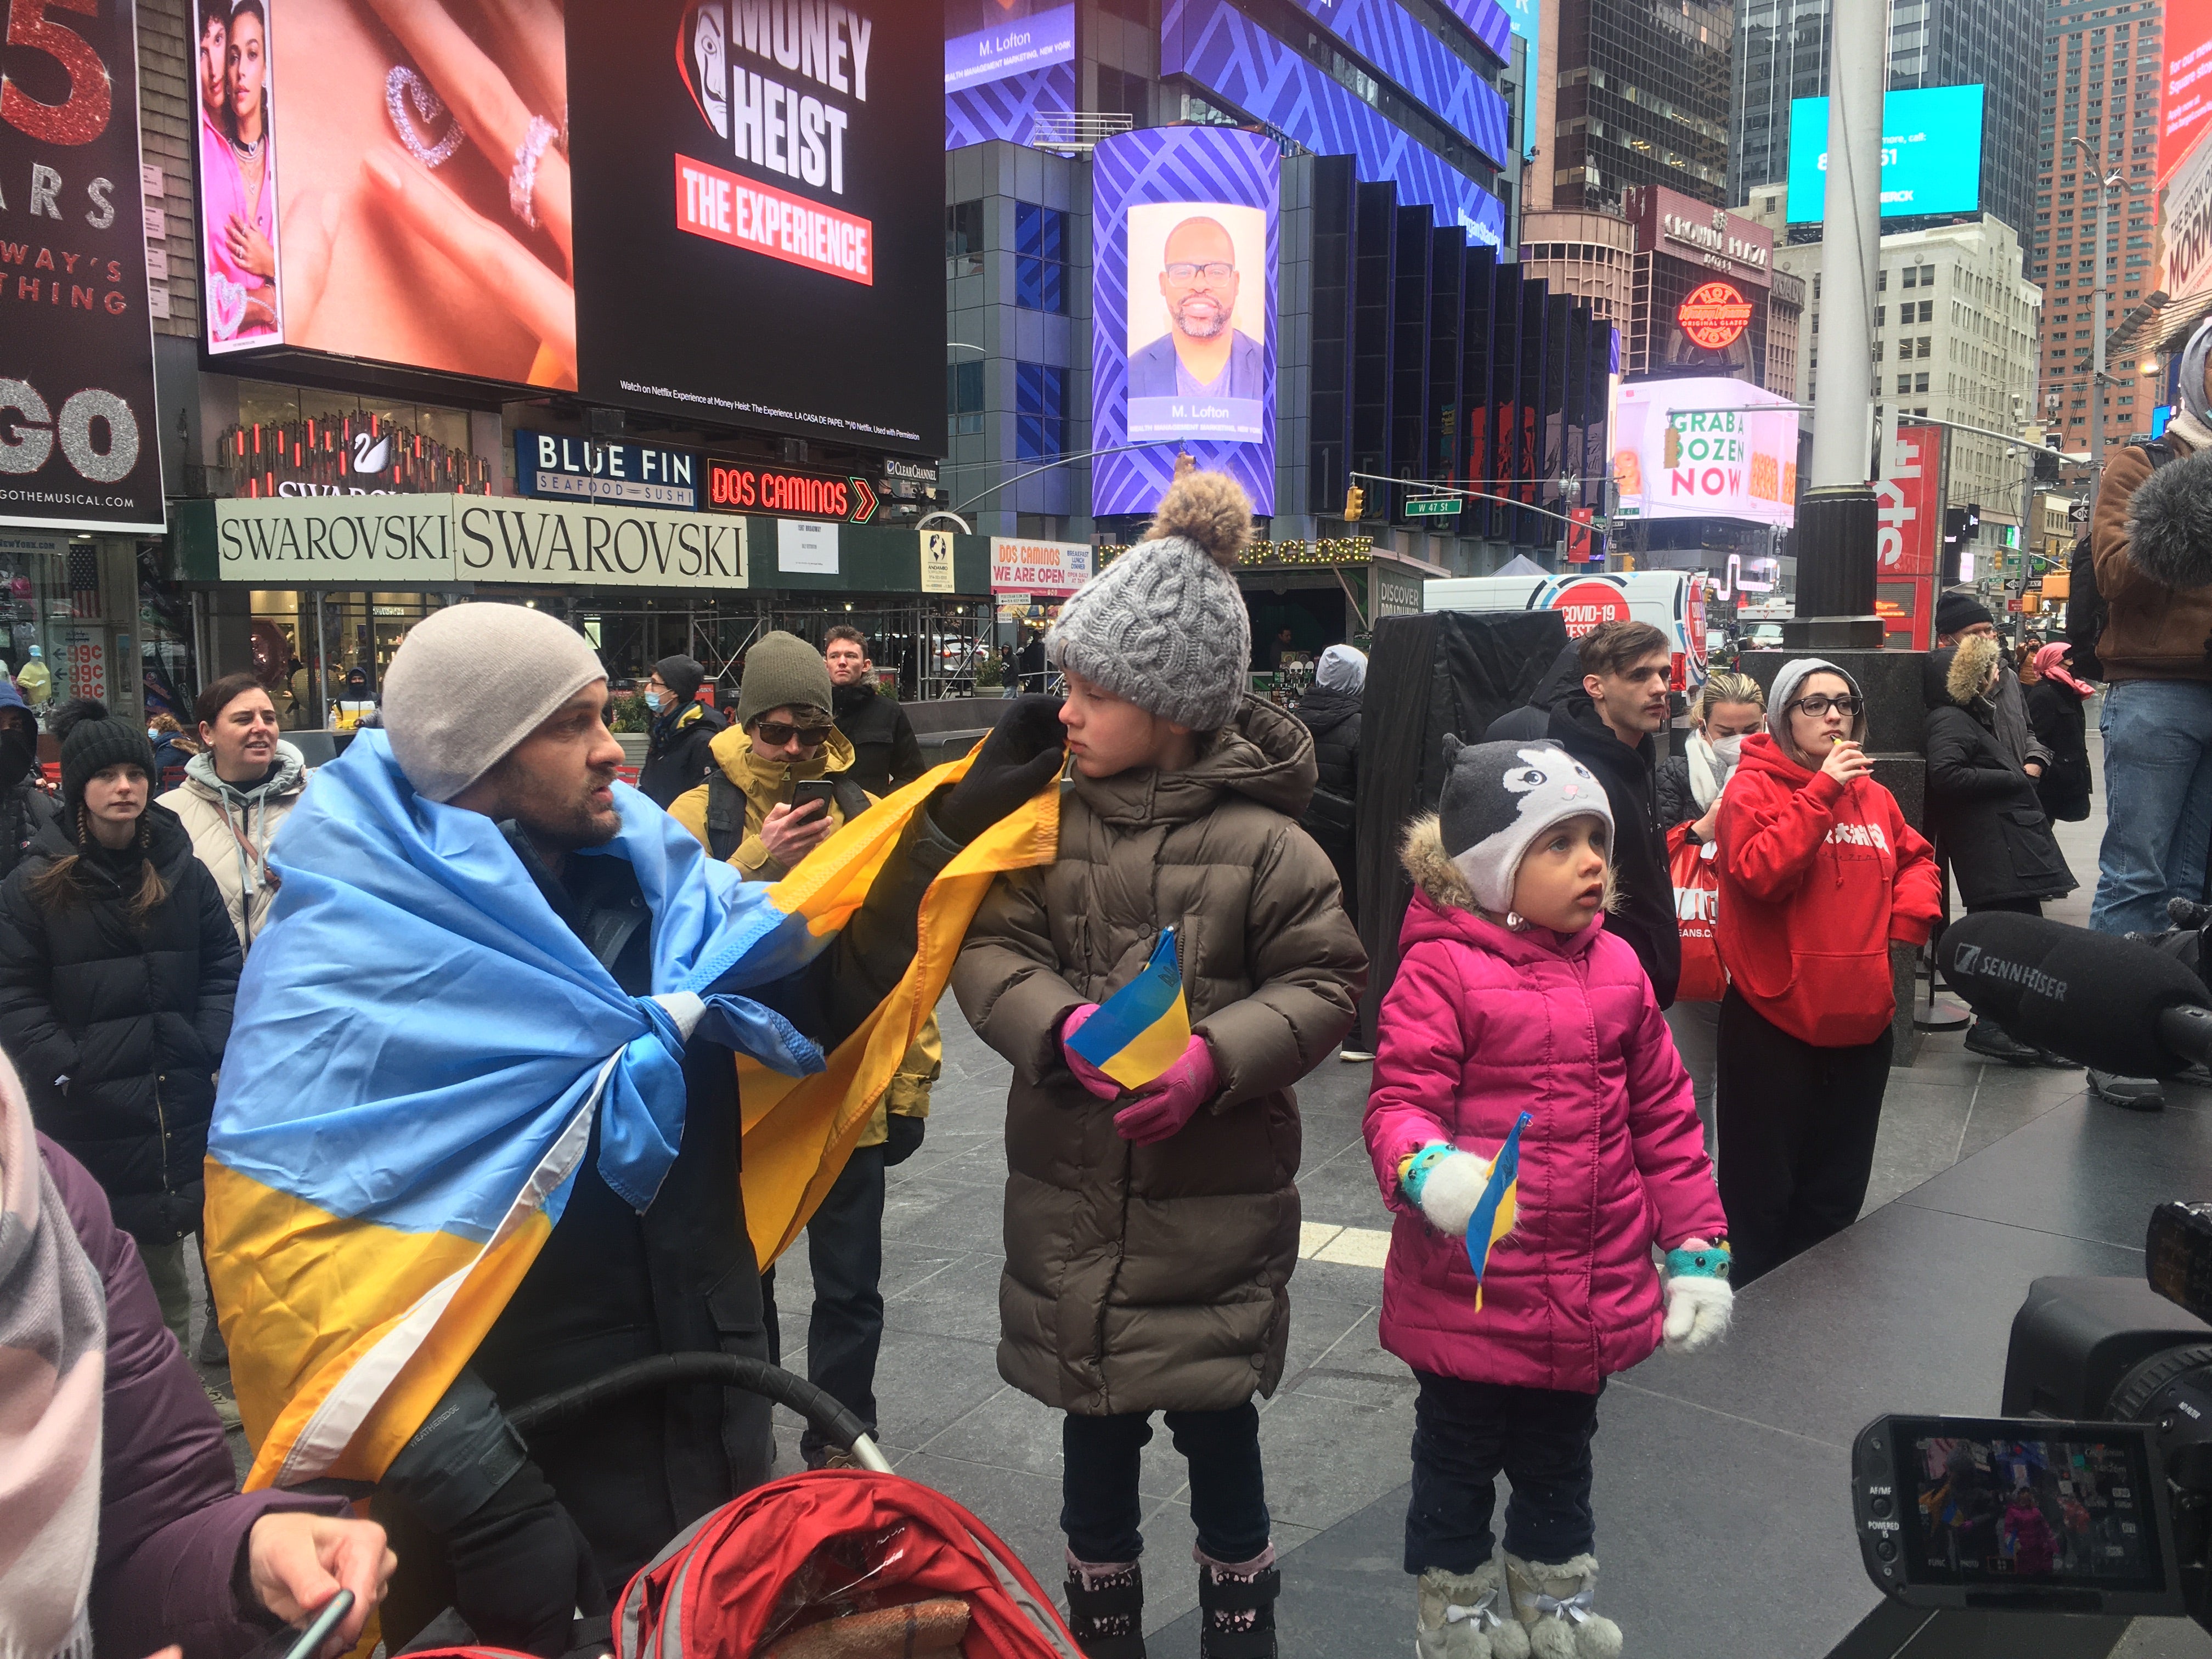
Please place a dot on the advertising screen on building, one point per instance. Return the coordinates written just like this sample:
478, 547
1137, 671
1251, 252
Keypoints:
1931, 153
1010, 41
2185, 108
79, 444
1183, 343
1707, 448
733, 216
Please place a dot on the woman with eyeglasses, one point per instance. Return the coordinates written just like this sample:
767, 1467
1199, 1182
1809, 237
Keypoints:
1820, 873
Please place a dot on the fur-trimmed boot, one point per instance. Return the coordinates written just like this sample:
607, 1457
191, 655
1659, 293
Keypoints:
1467, 1615
1554, 1603
1106, 1608
1238, 1599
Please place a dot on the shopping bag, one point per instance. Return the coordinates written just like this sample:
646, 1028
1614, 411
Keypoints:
1696, 900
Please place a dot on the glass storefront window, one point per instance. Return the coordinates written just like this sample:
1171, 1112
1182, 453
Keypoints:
294, 439
34, 609
320, 652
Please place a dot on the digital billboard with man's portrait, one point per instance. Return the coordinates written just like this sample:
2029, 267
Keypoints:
1183, 346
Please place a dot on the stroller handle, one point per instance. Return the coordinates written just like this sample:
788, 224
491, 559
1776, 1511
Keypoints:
731, 1370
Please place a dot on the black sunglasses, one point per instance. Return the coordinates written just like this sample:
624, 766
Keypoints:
776, 733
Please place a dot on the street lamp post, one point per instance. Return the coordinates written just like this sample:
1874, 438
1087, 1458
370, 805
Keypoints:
2104, 183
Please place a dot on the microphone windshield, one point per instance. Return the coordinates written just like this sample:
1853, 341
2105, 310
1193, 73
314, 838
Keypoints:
2093, 998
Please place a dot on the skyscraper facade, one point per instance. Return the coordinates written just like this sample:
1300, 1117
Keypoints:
2100, 86
1782, 54
1639, 94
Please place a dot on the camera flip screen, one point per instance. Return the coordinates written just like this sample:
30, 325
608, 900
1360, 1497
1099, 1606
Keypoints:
1995, 1512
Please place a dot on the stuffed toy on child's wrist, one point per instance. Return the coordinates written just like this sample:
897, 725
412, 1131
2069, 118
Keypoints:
1699, 1302
1445, 1184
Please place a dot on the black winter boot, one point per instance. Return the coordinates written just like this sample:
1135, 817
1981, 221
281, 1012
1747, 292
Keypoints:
1106, 1608
1238, 1602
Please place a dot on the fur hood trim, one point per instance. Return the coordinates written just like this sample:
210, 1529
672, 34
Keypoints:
2170, 523
1422, 853
1970, 668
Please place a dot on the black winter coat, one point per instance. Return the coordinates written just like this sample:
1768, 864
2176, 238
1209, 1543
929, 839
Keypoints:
117, 1025
1983, 811
1646, 917
24, 811
2056, 712
885, 752
1332, 717
676, 758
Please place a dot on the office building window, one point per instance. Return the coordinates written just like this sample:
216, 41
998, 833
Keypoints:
964, 239
964, 397
1040, 257
1040, 411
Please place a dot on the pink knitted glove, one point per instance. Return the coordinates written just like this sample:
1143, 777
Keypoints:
1169, 1099
1094, 1080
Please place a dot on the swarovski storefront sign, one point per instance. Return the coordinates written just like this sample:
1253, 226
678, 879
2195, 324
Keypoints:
413, 540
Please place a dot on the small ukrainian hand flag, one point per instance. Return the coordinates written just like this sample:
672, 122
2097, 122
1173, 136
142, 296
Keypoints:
1143, 1028
1496, 1209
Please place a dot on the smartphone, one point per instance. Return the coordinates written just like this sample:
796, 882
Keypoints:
2026, 1513
813, 789
307, 1643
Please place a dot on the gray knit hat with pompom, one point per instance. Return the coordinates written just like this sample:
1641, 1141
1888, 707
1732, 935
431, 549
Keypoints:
1164, 625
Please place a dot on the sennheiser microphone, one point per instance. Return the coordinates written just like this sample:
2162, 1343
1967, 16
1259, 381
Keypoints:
2114, 1004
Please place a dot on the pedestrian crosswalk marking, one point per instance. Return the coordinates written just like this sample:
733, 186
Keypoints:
1350, 1247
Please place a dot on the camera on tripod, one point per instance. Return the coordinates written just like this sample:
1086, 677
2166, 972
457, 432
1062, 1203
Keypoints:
2093, 1493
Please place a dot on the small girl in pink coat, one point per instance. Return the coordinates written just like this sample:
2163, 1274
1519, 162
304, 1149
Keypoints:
1512, 998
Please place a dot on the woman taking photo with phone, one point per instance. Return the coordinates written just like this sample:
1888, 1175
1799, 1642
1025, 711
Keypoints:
1820, 873
117, 966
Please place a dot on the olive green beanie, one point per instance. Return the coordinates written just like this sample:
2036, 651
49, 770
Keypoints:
781, 670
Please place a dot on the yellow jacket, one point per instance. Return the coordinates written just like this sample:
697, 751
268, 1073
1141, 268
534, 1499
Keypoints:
766, 784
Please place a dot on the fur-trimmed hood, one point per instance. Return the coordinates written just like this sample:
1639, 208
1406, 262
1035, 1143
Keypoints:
1439, 880
1959, 673
2170, 523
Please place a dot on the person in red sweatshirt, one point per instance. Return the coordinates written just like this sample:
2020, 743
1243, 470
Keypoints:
1819, 873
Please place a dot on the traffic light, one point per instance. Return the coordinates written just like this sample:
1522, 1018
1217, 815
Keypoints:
1355, 503
1973, 522
2046, 466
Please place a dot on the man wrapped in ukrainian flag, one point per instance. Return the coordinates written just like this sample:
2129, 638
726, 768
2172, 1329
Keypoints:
478, 1135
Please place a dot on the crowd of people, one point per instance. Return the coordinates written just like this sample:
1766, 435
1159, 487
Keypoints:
1596, 1107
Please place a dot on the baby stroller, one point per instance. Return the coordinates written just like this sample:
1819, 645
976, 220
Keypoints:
833, 1563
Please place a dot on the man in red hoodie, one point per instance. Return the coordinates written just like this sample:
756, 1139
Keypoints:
1819, 873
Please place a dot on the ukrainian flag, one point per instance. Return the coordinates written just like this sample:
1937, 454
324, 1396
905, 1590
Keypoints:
1143, 1028
1496, 1209
422, 1048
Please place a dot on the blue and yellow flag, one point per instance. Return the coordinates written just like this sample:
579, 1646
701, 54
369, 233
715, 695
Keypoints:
1143, 1028
422, 1048
1496, 1209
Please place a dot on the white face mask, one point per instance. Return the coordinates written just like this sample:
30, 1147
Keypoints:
1727, 751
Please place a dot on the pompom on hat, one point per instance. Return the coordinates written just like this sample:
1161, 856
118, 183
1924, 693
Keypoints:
1164, 625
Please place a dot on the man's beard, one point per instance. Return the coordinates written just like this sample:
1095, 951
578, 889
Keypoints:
1195, 330
570, 825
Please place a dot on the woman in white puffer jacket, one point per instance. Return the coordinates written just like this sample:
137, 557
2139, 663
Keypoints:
237, 792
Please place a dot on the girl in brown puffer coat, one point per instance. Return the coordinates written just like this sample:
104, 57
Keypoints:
1151, 1237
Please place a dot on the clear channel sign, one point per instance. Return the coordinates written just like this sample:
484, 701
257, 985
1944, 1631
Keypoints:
1432, 506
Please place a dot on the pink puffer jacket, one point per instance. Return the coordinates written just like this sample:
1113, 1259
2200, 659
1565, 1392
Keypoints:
1480, 1026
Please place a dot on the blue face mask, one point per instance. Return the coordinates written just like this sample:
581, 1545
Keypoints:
653, 701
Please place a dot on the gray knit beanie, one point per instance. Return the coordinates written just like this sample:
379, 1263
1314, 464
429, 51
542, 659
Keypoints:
470, 682
1164, 625
782, 671
1498, 797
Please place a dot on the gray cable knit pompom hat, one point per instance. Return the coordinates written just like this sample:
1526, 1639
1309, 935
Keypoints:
1164, 625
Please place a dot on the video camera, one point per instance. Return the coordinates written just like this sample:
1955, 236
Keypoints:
2093, 1493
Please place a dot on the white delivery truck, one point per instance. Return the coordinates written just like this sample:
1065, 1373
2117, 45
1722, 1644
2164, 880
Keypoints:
1672, 601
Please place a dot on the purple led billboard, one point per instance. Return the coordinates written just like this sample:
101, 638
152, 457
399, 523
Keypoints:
1183, 340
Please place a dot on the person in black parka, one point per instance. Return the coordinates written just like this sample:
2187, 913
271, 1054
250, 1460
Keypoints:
1984, 814
26, 808
2055, 710
118, 964
676, 758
